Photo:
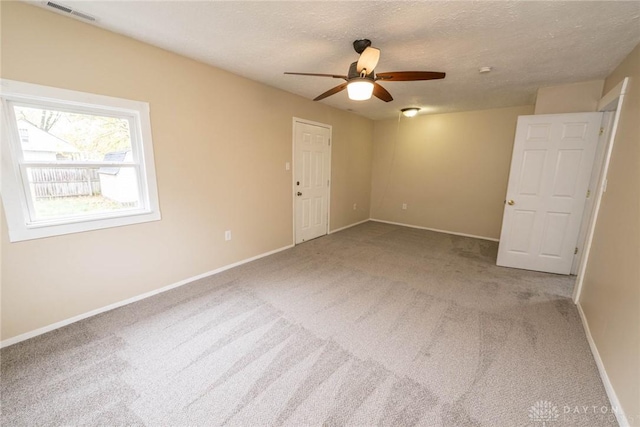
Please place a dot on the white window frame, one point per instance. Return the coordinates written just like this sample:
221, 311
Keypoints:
15, 191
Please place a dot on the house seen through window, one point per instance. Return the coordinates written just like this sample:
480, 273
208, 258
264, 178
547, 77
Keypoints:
63, 186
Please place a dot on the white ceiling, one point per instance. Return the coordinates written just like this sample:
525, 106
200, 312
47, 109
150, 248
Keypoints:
528, 44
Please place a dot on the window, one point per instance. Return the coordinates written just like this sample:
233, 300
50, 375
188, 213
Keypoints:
77, 161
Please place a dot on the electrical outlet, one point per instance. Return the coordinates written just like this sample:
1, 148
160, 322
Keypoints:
227, 235
404, 206
287, 166
355, 206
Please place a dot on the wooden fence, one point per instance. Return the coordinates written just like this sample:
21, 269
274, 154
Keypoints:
64, 182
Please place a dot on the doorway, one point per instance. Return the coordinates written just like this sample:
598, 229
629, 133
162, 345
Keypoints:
611, 105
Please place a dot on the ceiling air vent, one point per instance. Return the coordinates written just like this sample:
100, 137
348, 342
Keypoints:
70, 11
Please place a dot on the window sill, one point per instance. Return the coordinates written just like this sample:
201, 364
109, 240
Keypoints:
86, 218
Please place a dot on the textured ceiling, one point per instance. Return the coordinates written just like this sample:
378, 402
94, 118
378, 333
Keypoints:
528, 44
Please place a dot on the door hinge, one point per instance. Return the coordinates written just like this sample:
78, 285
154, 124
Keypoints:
588, 193
601, 131
328, 183
575, 252
329, 141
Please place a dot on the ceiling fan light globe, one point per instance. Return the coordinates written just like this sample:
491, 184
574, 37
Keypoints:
368, 60
360, 89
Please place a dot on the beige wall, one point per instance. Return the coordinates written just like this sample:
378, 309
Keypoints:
216, 169
450, 169
611, 287
570, 98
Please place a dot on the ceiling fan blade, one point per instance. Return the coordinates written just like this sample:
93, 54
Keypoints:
407, 76
335, 76
330, 92
368, 59
381, 93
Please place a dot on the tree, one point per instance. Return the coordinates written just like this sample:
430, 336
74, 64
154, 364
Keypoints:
46, 120
93, 135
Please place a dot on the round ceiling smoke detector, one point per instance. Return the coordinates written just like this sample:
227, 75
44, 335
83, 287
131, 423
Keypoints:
484, 70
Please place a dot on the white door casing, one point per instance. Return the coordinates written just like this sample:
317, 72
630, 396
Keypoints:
610, 103
596, 172
312, 171
550, 171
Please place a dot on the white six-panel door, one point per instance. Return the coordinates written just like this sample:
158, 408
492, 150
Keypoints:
312, 170
550, 170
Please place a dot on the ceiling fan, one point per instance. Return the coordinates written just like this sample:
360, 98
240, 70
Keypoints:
361, 81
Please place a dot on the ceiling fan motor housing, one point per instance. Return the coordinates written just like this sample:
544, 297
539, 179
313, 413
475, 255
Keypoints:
361, 45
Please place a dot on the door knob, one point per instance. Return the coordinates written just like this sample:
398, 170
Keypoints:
511, 203
299, 193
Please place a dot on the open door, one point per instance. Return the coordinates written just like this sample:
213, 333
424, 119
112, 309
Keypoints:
548, 181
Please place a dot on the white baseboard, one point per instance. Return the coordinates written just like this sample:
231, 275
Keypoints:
349, 226
611, 393
53, 326
436, 230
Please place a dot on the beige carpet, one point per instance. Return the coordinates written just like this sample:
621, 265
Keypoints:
375, 325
